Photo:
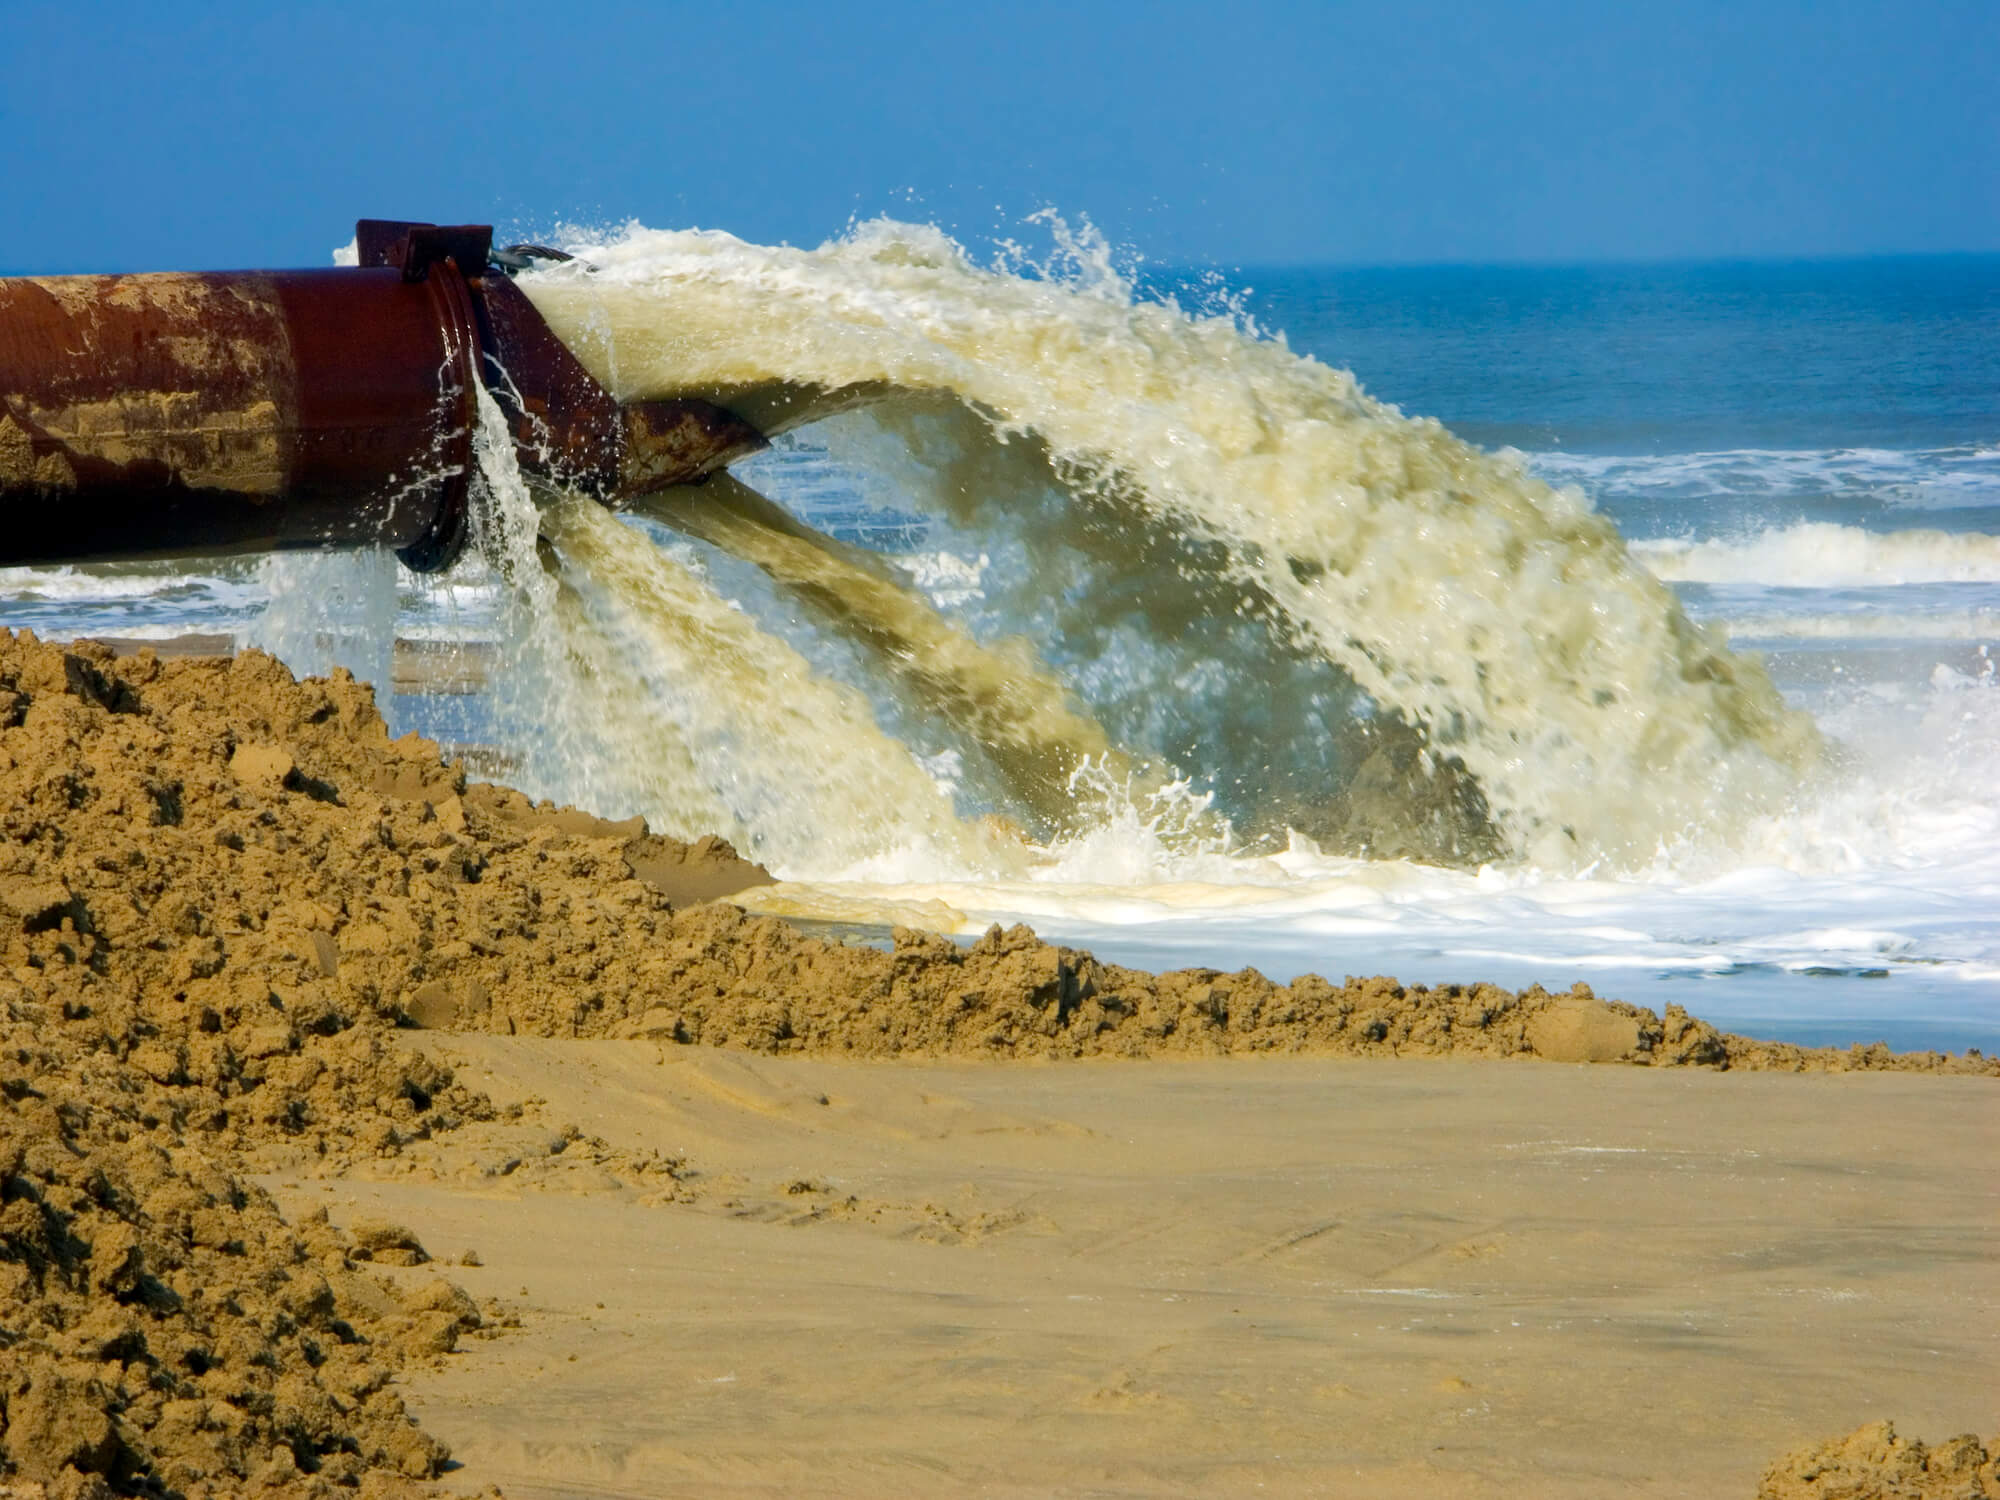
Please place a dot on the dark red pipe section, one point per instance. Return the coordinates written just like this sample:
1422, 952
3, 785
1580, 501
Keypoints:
245, 411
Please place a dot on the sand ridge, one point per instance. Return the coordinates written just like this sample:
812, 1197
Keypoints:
222, 895
719, 977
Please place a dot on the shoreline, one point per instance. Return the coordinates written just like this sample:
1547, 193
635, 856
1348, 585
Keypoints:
420, 665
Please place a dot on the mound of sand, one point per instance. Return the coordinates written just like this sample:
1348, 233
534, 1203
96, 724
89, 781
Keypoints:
222, 890
191, 846
1873, 1463
167, 1330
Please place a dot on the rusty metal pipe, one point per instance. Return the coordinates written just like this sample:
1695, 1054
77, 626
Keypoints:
225, 412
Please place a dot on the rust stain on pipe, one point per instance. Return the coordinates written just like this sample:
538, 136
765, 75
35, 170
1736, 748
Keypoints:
207, 409
224, 412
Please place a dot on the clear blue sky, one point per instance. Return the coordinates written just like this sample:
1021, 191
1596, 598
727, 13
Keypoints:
1236, 132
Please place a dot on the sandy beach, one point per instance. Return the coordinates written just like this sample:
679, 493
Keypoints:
1250, 1276
297, 1017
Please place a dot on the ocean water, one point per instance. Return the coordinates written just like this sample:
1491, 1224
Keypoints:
1155, 498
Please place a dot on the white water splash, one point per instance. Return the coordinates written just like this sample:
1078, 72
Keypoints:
327, 610
1451, 585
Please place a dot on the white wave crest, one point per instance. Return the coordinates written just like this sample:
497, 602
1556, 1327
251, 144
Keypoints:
1868, 625
1916, 479
1816, 554
95, 586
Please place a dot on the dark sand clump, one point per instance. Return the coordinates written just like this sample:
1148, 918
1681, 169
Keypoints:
222, 892
168, 1332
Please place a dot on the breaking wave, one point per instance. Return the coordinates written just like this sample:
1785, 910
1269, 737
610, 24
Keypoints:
1819, 555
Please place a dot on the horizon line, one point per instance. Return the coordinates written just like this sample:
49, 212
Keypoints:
1145, 263
1586, 263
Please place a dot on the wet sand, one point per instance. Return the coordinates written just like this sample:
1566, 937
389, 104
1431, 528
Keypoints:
1277, 1276
760, 1213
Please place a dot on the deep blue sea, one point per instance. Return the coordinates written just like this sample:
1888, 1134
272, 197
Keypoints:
1743, 394
1891, 353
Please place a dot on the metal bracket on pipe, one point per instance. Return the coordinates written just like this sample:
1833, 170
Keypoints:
414, 248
